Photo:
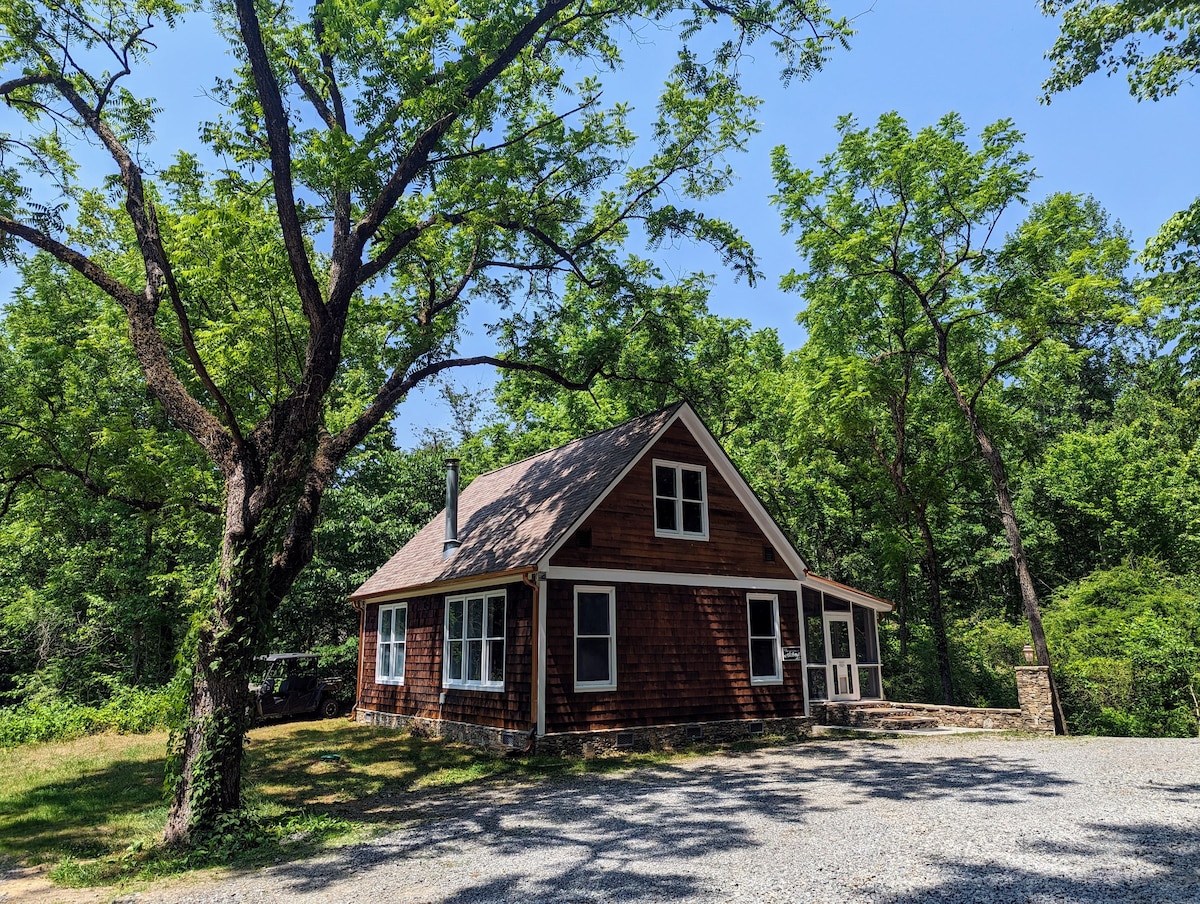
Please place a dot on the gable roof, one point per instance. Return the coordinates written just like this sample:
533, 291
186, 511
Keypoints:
509, 518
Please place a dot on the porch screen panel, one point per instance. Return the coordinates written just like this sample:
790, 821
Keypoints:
814, 645
866, 646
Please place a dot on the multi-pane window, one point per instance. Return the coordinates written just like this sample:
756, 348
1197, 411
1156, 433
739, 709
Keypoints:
765, 652
595, 638
680, 500
390, 644
475, 641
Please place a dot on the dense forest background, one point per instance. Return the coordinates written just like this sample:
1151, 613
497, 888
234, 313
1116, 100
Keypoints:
852, 441
939, 307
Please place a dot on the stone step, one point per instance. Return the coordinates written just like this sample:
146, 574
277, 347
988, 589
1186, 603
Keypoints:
907, 723
874, 714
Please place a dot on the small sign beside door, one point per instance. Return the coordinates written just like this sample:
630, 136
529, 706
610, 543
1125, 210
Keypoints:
793, 654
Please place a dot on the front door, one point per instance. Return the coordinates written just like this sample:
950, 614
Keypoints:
839, 642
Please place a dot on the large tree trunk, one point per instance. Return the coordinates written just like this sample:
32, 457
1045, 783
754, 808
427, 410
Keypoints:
1012, 532
937, 615
207, 749
896, 469
263, 550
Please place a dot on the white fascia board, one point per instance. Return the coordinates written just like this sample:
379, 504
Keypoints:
724, 464
675, 578
848, 593
542, 645
448, 587
725, 467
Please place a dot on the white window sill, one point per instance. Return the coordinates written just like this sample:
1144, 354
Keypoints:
593, 687
759, 682
491, 688
678, 535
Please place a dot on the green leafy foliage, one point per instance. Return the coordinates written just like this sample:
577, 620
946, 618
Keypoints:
1155, 42
384, 170
1127, 640
127, 711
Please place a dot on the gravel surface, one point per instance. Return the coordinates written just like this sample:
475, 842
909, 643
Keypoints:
963, 818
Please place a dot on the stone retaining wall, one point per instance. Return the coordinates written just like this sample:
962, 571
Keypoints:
948, 716
1036, 712
591, 743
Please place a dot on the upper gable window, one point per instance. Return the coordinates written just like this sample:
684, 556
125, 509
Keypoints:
680, 500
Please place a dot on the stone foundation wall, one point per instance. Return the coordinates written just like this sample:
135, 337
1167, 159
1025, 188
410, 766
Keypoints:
1033, 693
669, 737
457, 732
592, 743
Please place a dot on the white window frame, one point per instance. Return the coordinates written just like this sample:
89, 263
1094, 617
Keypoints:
777, 678
485, 664
679, 467
380, 643
611, 683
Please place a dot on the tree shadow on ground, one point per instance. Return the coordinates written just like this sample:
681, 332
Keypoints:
641, 835
73, 815
883, 769
1144, 862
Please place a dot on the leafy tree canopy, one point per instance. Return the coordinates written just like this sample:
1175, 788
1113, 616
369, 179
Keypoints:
376, 170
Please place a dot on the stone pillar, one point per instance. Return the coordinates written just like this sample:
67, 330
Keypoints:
1033, 693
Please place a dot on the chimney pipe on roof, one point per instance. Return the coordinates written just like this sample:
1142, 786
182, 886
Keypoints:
452, 542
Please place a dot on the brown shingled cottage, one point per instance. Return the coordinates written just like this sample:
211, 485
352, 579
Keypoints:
627, 588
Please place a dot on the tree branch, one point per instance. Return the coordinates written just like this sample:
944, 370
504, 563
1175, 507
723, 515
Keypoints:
279, 142
418, 155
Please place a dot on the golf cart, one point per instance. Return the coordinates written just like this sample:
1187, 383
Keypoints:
292, 685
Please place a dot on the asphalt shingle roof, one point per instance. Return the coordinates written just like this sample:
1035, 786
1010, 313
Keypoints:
509, 518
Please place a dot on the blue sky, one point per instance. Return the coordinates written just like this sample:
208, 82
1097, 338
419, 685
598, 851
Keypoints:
923, 58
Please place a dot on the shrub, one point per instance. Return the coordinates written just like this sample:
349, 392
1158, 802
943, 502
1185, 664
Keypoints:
128, 710
1125, 643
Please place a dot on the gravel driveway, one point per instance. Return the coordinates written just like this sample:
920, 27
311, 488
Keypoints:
958, 818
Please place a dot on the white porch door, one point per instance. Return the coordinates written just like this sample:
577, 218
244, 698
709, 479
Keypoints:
839, 646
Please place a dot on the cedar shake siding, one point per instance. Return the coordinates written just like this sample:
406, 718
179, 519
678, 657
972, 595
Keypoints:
622, 527
418, 696
682, 656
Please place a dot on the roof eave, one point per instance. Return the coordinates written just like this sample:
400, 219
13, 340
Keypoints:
464, 583
855, 596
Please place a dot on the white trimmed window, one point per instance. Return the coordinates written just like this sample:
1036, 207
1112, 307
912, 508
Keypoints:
766, 654
474, 656
391, 644
680, 500
595, 638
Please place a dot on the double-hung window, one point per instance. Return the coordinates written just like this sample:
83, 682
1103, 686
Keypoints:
474, 654
766, 654
595, 639
680, 500
391, 643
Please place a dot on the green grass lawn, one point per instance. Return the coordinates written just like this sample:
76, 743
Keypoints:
92, 809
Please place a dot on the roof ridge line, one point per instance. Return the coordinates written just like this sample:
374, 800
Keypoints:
586, 436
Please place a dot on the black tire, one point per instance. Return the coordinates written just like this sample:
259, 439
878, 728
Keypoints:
328, 708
